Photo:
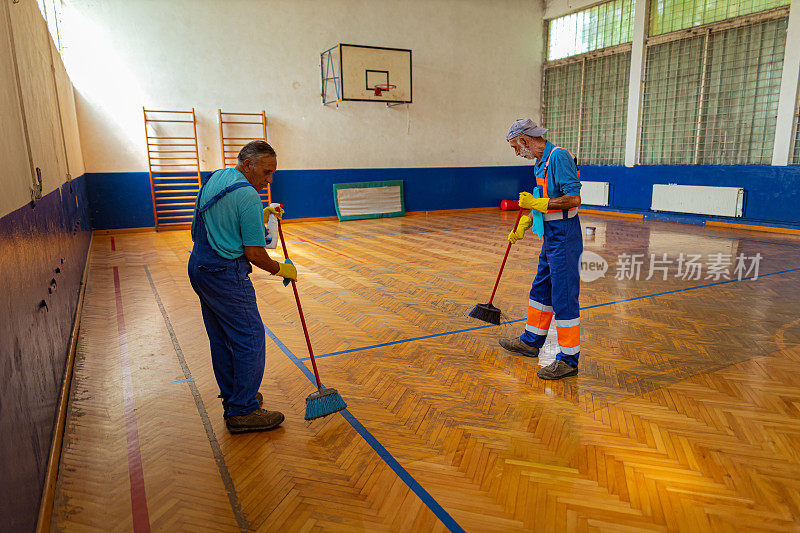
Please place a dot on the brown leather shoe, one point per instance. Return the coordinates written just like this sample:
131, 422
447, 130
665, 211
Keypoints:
259, 397
258, 420
519, 346
556, 370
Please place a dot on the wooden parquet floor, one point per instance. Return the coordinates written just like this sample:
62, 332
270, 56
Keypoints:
685, 415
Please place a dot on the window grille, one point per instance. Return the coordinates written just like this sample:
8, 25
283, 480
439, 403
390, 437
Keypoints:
604, 110
673, 15
586, 105
601, 26
670, 102
562, 102
713, 98
743, 86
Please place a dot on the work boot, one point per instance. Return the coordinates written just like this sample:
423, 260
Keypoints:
258, 420
556, 370
519, 346
259, 397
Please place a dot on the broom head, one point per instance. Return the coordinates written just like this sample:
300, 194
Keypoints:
487, 313
323, 402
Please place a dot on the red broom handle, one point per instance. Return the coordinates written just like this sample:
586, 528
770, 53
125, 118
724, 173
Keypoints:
300, 309
502, 266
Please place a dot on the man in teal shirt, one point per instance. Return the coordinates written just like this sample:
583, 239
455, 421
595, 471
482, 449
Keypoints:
228, 235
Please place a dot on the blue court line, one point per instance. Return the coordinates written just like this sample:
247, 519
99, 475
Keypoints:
393, 234
382, 452
181, 381
523, 319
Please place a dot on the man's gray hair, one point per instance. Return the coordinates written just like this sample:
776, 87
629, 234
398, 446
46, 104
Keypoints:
255, 150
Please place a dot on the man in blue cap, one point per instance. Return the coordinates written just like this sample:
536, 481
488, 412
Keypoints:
229, 237
557, 284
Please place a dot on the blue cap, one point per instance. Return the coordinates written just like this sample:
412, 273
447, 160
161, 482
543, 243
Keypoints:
525, 126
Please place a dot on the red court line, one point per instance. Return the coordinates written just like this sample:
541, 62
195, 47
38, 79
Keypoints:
328, 249
141, 518
113, 244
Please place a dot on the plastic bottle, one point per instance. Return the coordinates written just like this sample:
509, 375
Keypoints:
272, 229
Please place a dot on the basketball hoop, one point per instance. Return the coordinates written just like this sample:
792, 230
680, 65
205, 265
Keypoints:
383, 87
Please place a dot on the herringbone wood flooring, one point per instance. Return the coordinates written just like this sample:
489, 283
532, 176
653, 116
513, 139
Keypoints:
685, 415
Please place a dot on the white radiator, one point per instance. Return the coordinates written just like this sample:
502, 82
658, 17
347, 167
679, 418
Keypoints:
594, 192
719, 201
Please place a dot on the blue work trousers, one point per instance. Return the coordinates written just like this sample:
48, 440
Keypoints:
556, 289
233, 323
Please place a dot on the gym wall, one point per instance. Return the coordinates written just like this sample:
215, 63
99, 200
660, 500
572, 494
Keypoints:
476, 68
43, 248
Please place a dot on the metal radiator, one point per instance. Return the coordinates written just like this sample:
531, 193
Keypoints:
594, 192
719, 201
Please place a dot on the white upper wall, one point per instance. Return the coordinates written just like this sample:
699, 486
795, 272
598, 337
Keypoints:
476, 68
556, 8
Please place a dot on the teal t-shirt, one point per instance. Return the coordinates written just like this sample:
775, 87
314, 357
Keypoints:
236, 220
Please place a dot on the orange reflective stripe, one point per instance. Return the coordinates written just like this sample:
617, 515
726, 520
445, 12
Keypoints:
569, 337
539, 319
541, 182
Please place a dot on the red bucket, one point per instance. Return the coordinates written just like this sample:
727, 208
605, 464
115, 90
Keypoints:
509, 205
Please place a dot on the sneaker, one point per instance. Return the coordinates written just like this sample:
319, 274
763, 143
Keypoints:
519, 346
258, 420
259, 397
556, 370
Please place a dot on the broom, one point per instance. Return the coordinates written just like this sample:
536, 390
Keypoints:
487, 312
324, 401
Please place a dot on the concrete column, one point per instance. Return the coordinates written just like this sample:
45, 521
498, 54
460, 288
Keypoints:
641, 22
784, 128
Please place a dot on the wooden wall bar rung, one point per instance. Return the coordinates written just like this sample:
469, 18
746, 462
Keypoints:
174, 144
245, 114
166, 111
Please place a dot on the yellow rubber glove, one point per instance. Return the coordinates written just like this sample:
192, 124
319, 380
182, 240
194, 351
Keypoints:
273, 211
524, 225
528, 201
287, 270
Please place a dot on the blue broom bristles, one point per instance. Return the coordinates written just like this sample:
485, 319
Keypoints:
323, 402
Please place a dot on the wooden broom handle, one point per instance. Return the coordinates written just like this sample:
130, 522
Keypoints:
502, 266
300, 309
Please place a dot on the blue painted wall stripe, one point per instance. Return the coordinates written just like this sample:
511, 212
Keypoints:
772, 194
382, 452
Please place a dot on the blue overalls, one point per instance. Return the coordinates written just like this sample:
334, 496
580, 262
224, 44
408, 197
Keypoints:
230, 313
556, 287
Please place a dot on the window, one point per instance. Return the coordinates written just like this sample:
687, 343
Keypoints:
51, 12
601, 26
670, 101
604, 110
673, 15
713, 102
561, 96
743, 85
586, 106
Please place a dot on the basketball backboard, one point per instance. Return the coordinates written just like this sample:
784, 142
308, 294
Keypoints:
364, 67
